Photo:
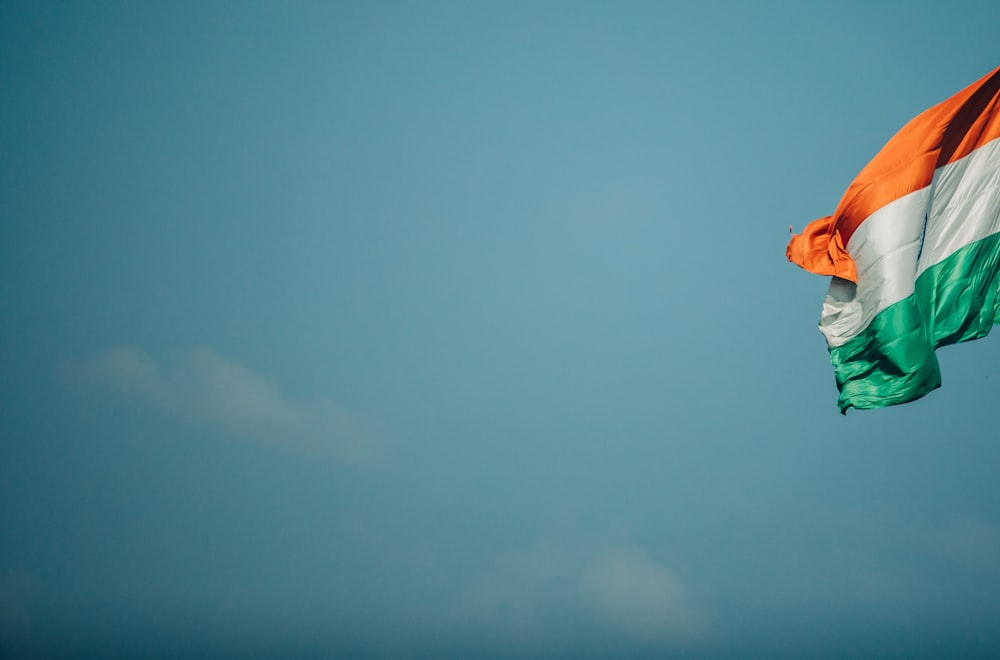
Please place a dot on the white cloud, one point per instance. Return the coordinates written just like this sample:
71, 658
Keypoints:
524, 587
638, 596
209, 389
618, 589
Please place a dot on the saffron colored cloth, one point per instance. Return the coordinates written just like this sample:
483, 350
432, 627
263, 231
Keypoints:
913, 249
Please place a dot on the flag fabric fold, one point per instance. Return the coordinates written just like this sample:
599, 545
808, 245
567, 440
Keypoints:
913, 249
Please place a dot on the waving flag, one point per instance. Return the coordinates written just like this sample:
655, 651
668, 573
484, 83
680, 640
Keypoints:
914, 251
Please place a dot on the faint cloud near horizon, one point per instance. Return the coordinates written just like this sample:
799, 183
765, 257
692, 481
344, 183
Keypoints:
206, 388
619, 589
640, 597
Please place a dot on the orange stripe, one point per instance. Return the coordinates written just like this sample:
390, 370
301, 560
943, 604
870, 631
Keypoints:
947, 132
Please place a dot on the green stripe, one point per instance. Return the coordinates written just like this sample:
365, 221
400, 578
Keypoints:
893, 360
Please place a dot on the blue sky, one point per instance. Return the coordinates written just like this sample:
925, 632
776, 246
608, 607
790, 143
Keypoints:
437, 329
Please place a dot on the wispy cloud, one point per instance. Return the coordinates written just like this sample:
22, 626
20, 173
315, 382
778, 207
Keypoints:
203, 387
636, 595
617, 589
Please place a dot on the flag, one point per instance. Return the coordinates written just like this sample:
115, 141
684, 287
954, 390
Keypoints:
914, 251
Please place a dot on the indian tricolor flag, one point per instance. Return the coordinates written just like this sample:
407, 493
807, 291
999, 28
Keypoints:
914, 251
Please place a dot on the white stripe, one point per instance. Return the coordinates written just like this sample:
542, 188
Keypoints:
964, 208
884, 248
965, 204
